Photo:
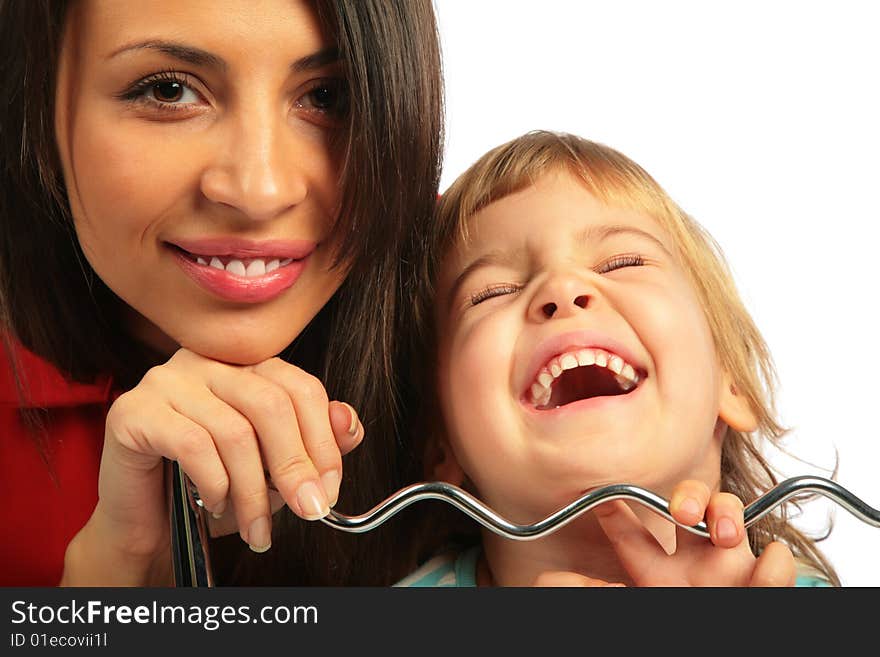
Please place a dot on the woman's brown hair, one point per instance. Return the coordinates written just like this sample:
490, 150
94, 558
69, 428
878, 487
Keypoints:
619, 182
54, 304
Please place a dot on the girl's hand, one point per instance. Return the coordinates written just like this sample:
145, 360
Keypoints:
726, 560
227, 426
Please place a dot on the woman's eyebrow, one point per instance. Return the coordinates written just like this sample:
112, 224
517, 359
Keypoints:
319, 59
184, 53
199, 57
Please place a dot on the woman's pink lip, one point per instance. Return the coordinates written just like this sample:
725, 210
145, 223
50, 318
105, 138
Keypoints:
240, 289
572, 341
242, 248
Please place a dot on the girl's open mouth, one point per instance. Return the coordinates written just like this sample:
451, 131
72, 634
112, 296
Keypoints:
582, 374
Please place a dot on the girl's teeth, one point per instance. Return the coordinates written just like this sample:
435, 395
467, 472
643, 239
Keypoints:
624, 372
201, 260
537, 391
615, 364
216, 264
625, 384
586, 357
272, 266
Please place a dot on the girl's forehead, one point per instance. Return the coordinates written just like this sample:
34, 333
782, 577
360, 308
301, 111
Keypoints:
553, 208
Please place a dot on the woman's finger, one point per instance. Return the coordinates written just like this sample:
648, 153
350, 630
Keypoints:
144, 432
273, 444
774, 567
312, 418
346, 426
228, 419
221, 524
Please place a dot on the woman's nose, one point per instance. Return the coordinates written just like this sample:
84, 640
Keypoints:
258, 168
561, 296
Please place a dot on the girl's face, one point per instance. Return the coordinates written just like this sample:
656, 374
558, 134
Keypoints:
195, 139
574, 353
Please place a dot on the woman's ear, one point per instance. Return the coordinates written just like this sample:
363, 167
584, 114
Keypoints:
734, 408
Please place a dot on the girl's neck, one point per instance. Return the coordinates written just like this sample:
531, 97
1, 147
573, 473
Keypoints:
580, 547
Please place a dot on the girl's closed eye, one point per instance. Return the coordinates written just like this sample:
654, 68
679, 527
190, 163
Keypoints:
166, 91
620, 261
495, 290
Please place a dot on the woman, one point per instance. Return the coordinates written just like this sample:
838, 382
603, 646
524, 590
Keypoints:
188, 191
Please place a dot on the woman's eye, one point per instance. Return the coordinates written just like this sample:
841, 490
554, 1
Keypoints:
494, 291
163, 91
173, 92
628, 260
327, 98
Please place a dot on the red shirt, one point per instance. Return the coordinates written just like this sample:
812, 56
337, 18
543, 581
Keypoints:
45, 499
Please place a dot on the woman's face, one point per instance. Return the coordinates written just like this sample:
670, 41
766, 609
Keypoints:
195, 139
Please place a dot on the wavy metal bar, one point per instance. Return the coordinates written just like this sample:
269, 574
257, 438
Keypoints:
491, 520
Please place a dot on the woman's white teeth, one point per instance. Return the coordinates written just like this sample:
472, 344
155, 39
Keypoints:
254, 267
624, 373
236, 267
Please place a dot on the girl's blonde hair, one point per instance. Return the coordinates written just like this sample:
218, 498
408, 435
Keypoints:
619, 182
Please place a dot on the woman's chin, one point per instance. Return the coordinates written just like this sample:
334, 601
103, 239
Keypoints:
242, 354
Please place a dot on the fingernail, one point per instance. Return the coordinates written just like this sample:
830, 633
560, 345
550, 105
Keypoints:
219, 509
312, 502
331, 480
725, 529
353, 421
259, 534
690, 506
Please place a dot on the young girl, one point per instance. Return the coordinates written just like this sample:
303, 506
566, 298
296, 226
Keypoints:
205, 207
587, 332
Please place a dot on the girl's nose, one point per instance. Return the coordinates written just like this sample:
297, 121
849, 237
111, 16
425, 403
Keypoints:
561, 295
259, 168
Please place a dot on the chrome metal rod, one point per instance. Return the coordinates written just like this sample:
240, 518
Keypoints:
489, 519
190, 536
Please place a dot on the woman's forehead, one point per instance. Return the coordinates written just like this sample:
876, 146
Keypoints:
224, 32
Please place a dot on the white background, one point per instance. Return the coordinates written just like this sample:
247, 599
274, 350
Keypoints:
761, 120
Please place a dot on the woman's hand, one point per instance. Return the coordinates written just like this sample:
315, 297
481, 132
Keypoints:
227, 426
724, 560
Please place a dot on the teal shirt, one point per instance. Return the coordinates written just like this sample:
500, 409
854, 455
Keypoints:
459, 569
